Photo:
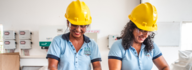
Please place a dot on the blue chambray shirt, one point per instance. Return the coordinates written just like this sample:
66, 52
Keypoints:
131, 60
62, 50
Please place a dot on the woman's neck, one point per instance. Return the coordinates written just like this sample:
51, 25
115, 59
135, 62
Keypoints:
136, 44
72, 38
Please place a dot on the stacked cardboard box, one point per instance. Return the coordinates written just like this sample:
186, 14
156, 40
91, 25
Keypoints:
9, 61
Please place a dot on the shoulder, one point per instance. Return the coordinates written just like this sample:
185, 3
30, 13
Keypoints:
156, 49
118, 42
117, 45
92, 41
155, 46
92, 44
58, 38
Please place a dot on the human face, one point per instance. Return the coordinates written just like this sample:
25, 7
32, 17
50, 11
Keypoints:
77, 30
140, 35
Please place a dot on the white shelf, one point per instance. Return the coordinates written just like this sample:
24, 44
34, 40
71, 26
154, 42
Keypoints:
33, 57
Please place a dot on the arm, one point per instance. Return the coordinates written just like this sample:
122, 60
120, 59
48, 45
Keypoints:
53, 54
95, 56
53, 64
158, 59
96, 65
114, 64
115, 56
161, 63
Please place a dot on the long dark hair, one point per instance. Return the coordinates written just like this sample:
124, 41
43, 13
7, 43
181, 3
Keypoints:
127, 37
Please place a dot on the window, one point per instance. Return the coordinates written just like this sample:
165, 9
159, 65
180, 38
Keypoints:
186, 36
1, 39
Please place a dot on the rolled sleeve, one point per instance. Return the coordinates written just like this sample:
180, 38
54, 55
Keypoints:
95, 54
116, 51
156, 51
54, 49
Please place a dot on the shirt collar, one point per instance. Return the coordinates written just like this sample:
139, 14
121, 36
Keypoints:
142, 46
66, 37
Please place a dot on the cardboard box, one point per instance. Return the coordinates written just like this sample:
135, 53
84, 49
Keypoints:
9, 61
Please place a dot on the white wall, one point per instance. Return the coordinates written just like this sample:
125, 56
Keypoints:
143, 1
173, 10
171, 31
186, 36
109, 16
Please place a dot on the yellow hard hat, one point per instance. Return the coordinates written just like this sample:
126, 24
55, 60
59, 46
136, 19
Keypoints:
144, 16
78, 13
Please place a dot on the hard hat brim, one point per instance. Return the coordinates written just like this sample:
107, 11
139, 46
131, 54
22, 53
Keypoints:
146, 28
79, 22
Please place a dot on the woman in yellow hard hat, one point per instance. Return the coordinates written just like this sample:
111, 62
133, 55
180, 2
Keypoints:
74, 50
136, 49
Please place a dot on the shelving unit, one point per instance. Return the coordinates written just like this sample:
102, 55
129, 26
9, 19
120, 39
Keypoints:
33, 57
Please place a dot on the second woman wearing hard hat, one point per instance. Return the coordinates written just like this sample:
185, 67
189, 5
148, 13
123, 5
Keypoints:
74, 50
136, 49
